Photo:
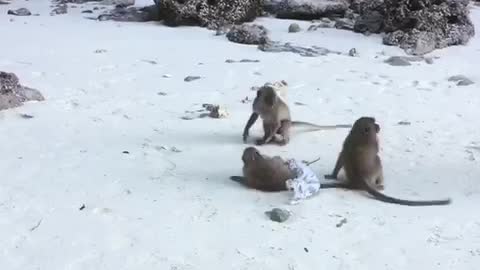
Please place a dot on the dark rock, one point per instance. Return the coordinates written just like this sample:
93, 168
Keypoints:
191, 78
344, 23
248, 34
59, 10
19, 12
278, 215
421, 26
461, 80
131, 14
87, 11
4, 3
397, 61
363, 6
13, 94
353, 52
371, 22
429, 61
294, 28
208, 13
306, 9
123, 3
303, 51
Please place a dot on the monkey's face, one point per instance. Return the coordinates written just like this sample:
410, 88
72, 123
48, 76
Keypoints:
250, 154
366, 128
265, 99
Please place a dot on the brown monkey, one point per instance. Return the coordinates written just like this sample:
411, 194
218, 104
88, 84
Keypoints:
268, 173
362, 165
270, 105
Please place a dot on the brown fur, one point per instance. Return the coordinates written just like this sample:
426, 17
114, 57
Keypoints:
269, 104
362, 165
262, 172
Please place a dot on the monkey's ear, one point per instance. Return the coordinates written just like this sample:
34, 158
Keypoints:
270, 97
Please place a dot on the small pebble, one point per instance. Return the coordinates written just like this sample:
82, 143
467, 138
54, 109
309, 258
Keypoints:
82, 207
278, 215
191, 78
125, 152
353, 52
294, 28
26, 116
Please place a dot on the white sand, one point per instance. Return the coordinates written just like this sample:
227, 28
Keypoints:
159, 209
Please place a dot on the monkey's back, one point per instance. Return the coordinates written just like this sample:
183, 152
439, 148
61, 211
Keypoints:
268, 175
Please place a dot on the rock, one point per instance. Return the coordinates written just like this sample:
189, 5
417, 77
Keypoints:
353, 52
306, 9
4, 3
461, 80
397, 61
421, 26
303, 51
59, 10
19, 12
371, 22
294, 28
131, 14
13, 94
248, 34
191, 78
216, 111
88, 11
429, 61
278, 215
344, 23
208, 13
123, 3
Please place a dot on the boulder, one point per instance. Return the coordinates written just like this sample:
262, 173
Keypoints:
19, 12
248, 34
306, 9
421, 26
131, 14
13, 94
212, 14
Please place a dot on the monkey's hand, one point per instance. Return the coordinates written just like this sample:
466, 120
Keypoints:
330, 176
245, 136
260, 142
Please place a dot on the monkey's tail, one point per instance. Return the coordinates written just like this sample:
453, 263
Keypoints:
319, 127
384, 198
239, 179
334, 185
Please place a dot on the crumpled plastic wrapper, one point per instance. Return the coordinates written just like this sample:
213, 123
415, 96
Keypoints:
306, 183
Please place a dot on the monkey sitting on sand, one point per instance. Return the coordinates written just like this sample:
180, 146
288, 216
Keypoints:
270, 104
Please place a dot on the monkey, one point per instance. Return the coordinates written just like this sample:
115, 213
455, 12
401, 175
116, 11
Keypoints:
268, 174
363, 167
272, 108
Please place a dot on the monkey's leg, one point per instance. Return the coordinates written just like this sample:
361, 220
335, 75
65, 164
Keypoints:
379, 180
270, 131
338, 166
253, 118
284, 130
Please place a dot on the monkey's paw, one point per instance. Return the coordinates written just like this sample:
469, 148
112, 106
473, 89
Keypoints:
260, 142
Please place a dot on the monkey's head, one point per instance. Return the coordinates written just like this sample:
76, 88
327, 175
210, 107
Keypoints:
251, 154
365, 130
265, 99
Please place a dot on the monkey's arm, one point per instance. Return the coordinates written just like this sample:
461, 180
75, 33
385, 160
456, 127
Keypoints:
270, 131
253, 118
338, 166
